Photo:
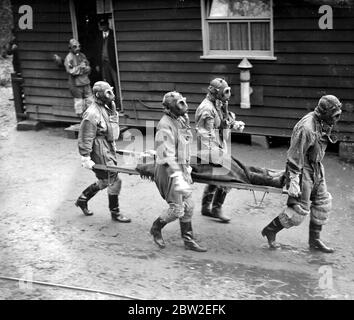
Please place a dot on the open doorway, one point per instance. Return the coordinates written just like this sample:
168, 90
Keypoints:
97, 44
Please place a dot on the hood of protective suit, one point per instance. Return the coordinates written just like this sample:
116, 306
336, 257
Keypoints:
329, 109
103, 92
219, 89
74, 46
175, 103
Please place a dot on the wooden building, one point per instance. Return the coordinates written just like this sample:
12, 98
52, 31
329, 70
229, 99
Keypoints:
181, 45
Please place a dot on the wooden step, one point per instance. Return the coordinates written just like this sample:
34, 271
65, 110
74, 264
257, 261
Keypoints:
27, 125
72, 132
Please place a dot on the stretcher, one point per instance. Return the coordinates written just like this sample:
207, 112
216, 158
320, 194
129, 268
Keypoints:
230, 184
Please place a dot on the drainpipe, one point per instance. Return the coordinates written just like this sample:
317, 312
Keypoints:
245, 76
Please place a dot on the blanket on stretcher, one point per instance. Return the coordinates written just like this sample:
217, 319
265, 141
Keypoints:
234, 171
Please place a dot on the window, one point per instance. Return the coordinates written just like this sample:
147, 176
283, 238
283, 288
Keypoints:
237, 28
104, 6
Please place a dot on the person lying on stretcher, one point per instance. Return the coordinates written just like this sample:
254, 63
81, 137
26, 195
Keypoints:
212, 162
233, 170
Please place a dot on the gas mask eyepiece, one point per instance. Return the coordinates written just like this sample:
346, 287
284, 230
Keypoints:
182, 105
182, 101
336, 116
108, 93
226, 94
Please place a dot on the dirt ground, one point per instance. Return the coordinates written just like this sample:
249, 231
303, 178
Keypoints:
44, 237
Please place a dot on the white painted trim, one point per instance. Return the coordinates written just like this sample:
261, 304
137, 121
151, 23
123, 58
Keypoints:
235, 57
271, 28
205, 32
117, 60
73, 19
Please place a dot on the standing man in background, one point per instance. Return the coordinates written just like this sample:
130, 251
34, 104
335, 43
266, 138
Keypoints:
78, 68
106, 64
12, 49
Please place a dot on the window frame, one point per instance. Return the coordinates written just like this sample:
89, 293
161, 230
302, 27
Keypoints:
104, 6
234, 54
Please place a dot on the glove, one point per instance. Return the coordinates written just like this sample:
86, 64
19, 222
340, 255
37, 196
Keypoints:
239, 125
181, 185
151, 153
189, 170
58, 60
87, 163
294, 187
229, 121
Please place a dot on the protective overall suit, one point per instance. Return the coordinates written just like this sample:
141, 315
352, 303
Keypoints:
99, 130
78, 68
172, 170
214, 123
306, 177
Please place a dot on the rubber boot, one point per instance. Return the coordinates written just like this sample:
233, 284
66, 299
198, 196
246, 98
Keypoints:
113, 203
155, 231
187, 236
218, 201
86, 195
270, 232
207, 200
315, 242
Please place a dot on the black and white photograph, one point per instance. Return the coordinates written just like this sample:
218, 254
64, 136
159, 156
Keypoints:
199, 152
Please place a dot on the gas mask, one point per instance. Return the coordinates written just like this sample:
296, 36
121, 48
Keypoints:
108, 96
333, 119
74, 46
329, 125
329, 111
219, 89
226, 94
176, 103
103, 92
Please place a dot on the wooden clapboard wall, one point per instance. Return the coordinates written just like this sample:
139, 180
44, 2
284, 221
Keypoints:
47, 97
160, 44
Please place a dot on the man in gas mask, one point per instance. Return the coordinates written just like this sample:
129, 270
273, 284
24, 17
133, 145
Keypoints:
306, 177
99, 130
172, 170
213, 123
78, 68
